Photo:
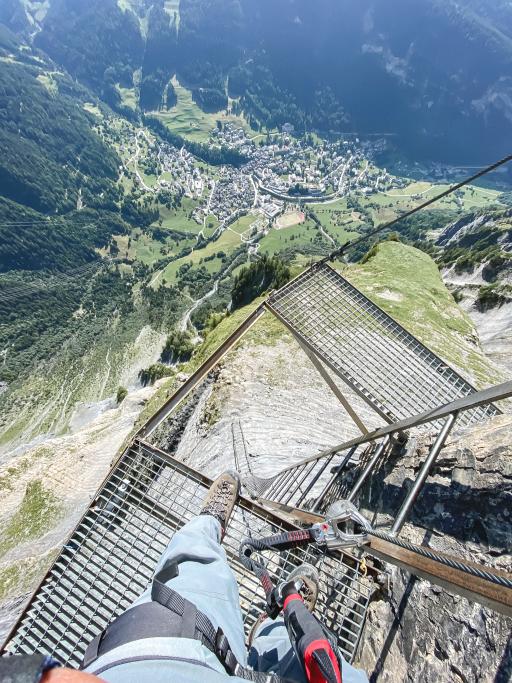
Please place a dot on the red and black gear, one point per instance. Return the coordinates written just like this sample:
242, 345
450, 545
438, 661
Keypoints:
311, 644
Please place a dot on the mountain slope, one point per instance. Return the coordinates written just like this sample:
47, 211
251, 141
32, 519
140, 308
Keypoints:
431, 73
435, 75
73, 327
266, 384
49, 149
95, 41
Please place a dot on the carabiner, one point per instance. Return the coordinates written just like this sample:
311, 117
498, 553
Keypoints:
344, 527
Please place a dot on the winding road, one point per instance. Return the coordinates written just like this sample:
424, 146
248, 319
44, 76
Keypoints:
186, 321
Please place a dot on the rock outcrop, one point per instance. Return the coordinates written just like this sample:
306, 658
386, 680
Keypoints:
467, 229
419, 632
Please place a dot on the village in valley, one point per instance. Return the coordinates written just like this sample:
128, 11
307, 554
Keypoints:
287, 194
281, 172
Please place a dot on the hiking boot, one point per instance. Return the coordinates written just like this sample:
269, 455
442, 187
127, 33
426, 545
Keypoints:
310, 583
221, 498
308, 576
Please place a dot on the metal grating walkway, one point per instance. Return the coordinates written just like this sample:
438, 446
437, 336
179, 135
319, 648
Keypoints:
110, 558
386, 365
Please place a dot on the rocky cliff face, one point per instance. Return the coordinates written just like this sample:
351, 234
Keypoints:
494, 327
484, 290
418, 632
470, 227
492, 322
268, 405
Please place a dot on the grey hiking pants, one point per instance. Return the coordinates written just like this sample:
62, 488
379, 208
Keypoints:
205, 579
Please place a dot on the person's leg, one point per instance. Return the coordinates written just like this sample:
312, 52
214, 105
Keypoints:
270, 647
271, 651
205, 578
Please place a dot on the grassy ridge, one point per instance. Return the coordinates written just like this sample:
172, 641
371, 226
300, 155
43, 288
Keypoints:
266, 331
406, 283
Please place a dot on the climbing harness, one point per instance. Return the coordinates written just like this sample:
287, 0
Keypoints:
344, 527
169, 615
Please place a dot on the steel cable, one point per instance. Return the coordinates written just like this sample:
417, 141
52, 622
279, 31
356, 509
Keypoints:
454, 188
442, 559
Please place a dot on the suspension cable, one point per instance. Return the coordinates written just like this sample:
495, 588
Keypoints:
352, 243
454, 563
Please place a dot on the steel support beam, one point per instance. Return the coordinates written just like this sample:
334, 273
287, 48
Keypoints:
368, 469
457, 581
333, 386
194, 379
306, 344
423, 474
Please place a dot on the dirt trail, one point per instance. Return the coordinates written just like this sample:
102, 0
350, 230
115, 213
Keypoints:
185, 321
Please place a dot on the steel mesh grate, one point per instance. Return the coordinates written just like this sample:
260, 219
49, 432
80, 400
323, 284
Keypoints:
110, 558
384, 363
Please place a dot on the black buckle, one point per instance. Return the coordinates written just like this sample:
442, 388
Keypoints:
274, 604
223, 650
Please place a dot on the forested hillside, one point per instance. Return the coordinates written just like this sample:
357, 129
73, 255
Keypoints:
49, 152
432, 74
95, 41
59, 198
53, 164
59, 204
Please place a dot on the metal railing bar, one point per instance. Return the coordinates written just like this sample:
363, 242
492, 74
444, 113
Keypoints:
368, 469
498, 392
423, 474
327, 487
317, 476
297, 488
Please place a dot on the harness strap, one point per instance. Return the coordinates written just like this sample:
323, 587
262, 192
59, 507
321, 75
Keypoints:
171, 615
91, 653
204, 631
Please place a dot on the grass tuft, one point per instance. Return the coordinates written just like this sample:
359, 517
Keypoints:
38, 512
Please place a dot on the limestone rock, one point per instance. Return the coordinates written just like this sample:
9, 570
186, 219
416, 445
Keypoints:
420, 632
